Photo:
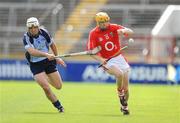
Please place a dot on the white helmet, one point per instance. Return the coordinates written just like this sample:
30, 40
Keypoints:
32, 21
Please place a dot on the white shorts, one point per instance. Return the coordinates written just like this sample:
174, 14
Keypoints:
119, 62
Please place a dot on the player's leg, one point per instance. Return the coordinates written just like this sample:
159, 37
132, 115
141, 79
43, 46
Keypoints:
113, 70
121, 67
119, 81
126, 85
55, 79
53, 75
125, 96
41, 79
120, 77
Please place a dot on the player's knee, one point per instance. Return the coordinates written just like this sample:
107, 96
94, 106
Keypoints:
119, 75
59, 86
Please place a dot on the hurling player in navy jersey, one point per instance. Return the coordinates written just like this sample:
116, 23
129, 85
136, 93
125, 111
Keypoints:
37, 42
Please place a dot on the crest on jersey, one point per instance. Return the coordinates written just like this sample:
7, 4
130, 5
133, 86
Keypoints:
111, 33
100, 39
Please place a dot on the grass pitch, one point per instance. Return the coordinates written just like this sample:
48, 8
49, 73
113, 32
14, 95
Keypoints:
25, 102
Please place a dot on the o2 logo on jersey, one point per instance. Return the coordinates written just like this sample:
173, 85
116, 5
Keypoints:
109, 46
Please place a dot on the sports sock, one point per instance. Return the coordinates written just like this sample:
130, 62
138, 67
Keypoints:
122, 98
120, 92
57, 104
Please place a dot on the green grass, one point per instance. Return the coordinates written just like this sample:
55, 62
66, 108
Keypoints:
22, 102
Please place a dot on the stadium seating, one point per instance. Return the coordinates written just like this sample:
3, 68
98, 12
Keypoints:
164, 2
13, 27
167, 2
140, 16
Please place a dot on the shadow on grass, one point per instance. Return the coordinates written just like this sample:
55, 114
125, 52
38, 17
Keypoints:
44, 113
106, 115
77, 114
97, 115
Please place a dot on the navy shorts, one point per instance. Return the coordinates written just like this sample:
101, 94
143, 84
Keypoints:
43, 66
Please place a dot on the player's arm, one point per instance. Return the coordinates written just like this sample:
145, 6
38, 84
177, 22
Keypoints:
38, 53
125, 32
92, 44
54, 48
34, 52
55, 52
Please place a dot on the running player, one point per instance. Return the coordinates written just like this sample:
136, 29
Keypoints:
43, 64
108, 35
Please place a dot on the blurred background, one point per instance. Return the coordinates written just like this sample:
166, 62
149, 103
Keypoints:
154, 55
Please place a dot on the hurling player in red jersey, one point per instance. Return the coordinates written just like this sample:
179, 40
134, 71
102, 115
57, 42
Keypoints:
107, 36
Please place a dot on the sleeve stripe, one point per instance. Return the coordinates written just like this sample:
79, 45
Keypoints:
24, 41
46, 34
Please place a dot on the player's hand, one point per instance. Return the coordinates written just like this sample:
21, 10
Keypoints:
121, 31
50, 56
61, 62
103, 64
103, 61
125, 31
104, 68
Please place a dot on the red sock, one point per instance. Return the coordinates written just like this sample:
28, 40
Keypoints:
120, 92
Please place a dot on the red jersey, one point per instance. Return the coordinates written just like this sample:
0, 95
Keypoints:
108, 40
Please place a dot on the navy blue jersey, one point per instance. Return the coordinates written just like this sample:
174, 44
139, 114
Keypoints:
41, 43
